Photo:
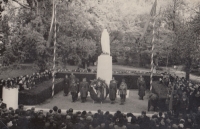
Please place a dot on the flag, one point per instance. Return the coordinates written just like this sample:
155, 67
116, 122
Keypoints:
152, 13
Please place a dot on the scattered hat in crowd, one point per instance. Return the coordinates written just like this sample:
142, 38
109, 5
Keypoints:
129, 119
162, 122
89, 114
174, 126
33, 109
63, 125
181, 126
84, 113
182, 121
68, 117
89, 118
107, 113
70, 110
144, 112
168, 121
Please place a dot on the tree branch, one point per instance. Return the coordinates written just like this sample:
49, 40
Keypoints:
21, 4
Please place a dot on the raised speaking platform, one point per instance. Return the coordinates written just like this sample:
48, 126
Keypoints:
43, 91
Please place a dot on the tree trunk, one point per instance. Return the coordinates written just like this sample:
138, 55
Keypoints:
187, 69
187, 73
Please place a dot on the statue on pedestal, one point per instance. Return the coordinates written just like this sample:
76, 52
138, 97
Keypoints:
105, 42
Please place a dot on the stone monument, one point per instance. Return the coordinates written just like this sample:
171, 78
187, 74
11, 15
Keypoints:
10, 97
104, 66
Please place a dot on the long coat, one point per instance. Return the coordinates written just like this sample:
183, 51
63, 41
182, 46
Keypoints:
84, 86
66, 85
73, 87
123, 89
141, 87
112, 90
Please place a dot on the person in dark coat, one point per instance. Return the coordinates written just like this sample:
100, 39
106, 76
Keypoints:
176, 105
84, 86
2, 105
66, 85
74, 90
122, 91
141, 87
112, 90
144, 121
72, 77
184, 102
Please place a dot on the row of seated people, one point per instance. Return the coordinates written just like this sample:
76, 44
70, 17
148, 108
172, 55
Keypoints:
26, 82
56, 119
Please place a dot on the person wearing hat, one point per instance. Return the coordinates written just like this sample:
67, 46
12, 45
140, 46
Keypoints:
84, 87
2, 105
66, 85
72, 76
176, 105
143, 120
141, 87
74, 90
14, 125
122, 91
184, 103
112, 90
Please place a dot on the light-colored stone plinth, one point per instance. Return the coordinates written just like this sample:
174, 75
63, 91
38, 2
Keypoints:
10, 97
104, 68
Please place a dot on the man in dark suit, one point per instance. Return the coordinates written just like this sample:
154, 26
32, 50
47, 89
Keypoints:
141, 87
74, 90
84, 86
112, 90
122, 91
2, 105
66, 85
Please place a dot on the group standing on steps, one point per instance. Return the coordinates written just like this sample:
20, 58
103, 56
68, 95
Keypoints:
74, 86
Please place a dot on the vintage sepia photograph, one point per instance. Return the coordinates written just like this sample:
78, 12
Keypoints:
99, 64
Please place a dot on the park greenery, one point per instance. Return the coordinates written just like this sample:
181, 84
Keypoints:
27, 36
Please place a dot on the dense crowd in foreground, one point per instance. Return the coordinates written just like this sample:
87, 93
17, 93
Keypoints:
54, 119
184, 95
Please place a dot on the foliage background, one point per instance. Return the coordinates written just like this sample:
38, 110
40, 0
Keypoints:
79, 26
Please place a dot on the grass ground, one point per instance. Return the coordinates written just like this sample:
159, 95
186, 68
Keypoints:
15, 71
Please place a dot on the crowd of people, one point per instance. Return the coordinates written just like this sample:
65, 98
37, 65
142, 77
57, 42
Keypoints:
184, 95
26, 82
183, 110
22, 118
74, 86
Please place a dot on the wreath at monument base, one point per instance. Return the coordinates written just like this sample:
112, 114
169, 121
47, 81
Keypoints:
98, 90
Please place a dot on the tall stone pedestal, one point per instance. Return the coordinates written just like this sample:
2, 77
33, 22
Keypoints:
10, 97
104, 68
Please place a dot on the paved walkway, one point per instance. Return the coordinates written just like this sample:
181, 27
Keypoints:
133, 104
